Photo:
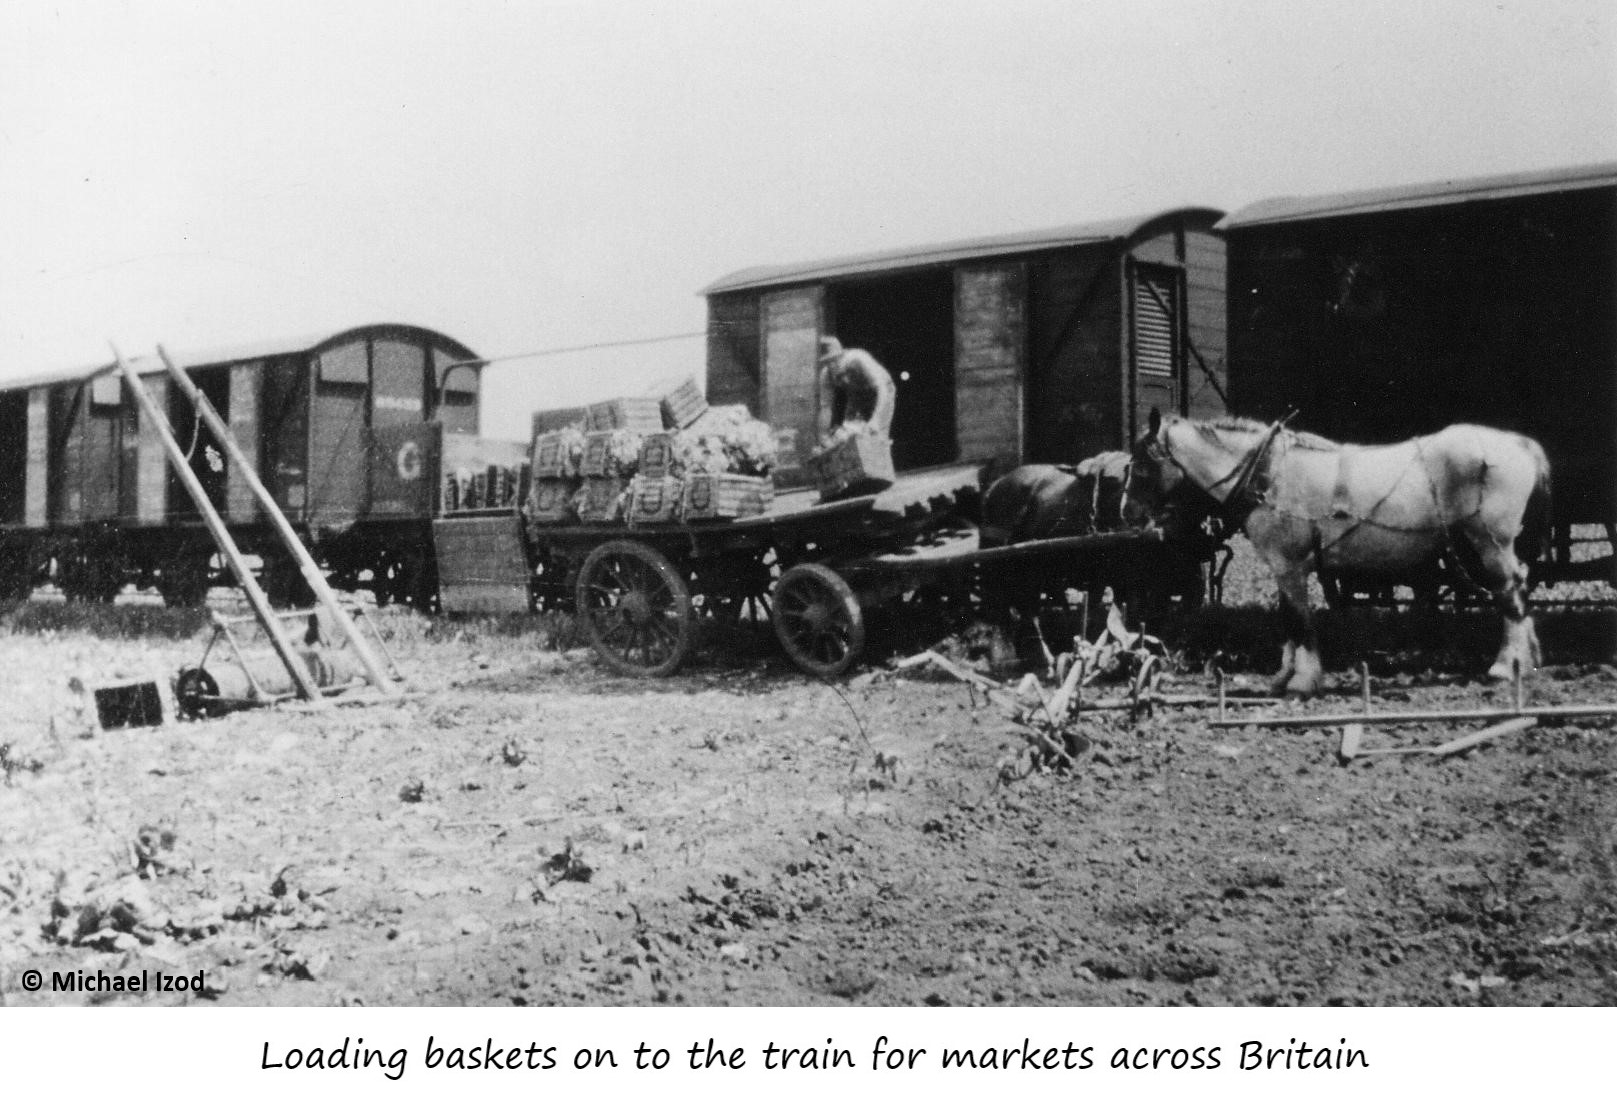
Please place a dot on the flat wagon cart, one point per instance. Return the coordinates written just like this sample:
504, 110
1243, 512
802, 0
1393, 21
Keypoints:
817, 569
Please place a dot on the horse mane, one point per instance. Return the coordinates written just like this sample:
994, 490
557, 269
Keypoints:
1212, 428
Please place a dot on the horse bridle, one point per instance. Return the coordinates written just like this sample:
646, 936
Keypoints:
1233, 509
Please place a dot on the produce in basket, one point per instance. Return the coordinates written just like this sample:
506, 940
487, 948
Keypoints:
727, 439
560, 453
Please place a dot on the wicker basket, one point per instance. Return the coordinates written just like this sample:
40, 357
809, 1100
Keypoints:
550, 456
601, 499
725, 495
551, 501
682, 402
654, 499
656, 456
857, 465
642, 414
597, 454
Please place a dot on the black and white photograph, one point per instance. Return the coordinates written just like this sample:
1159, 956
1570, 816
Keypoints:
811, 505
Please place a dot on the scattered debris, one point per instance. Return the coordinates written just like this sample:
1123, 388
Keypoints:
12, 764
150, 847
567, 865
1353, 739
1049, 724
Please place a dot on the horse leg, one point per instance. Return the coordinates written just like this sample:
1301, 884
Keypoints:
1300, 669
1506, 579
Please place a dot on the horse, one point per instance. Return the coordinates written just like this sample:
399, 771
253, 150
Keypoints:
1037, 501
1474, 496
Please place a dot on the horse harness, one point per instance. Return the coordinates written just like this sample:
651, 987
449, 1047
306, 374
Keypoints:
1251, 485
1252, 489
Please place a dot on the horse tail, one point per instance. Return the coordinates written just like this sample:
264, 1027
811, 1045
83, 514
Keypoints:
1533, 543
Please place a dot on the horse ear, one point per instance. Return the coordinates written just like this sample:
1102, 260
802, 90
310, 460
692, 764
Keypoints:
1155, 423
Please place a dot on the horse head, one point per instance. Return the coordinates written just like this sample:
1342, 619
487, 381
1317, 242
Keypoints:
1152, 477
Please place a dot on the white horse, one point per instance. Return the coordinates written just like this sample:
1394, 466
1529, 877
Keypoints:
1470, 494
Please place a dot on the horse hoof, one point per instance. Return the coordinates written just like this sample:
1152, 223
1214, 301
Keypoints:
1302, 688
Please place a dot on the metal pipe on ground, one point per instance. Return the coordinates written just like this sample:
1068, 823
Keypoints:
225, 684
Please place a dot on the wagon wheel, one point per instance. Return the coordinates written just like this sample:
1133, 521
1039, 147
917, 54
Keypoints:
818, 620
405, 578
636, 609
16, 573
91, 571
283, 583
182, 577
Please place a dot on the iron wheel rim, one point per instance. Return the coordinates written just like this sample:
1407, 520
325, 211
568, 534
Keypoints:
636, 609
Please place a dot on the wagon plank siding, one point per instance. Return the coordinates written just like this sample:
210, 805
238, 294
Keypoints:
990, 361
1072, 404
128, 457
245, 390
1207, 310
35, 512
151, 465
66, 466
337, 476
398, 370
101, 460
284, 432
791, 334
732, 350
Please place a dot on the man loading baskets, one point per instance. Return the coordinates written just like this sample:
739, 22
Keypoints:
862, 394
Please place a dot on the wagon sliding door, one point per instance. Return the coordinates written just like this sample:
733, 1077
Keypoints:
1156, 345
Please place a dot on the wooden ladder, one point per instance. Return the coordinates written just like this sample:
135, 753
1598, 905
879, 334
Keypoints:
376, 673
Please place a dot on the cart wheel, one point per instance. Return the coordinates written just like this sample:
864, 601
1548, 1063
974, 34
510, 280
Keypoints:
818, 620
90, 574
182, 578
636, 609
192, 692
16, 573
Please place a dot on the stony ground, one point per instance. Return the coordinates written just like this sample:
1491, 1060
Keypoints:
526, 829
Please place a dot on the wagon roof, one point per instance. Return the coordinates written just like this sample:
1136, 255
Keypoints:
945, 253
1282, 209
151, 365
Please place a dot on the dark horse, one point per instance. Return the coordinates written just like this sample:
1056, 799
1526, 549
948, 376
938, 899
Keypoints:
1469, 494
1037, 501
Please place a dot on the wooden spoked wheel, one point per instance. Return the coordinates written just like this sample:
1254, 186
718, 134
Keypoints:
636, 609
818, 620
90, 572
16, 574
182, 577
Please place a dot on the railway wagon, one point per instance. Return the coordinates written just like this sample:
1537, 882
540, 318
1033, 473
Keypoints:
1047, 346
1379, 315
87, 499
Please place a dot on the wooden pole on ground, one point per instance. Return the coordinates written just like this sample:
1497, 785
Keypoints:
1411, 717
221, 537
312, 574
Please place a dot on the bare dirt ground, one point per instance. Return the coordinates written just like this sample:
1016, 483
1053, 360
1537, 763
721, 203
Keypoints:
527, 829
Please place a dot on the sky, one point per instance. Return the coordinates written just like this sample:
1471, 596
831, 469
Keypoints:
530, 176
